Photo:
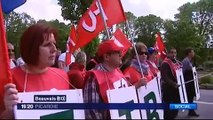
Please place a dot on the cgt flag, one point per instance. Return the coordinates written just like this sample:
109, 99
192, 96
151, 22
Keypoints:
92, 23
5, 75
159, 45
121, 40
71, 43
9, 5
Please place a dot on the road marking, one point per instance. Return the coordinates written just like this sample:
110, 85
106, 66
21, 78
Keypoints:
201, 102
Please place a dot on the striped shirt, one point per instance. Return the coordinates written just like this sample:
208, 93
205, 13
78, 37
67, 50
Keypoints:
91, 95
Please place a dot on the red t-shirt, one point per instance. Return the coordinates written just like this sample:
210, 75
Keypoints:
52, 78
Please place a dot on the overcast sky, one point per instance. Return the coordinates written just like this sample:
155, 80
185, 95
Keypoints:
50, 10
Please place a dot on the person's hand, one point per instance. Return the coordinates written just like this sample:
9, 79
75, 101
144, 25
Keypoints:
10, 96
141, 82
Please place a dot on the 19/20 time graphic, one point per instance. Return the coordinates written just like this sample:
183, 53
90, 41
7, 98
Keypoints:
26, 106
31, 106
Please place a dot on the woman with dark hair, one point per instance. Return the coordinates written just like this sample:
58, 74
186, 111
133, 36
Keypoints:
38, 50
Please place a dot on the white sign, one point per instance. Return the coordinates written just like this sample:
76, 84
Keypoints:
197, 90
181, 88
61, 96
120, 83
123, 95
158, 78
150, 94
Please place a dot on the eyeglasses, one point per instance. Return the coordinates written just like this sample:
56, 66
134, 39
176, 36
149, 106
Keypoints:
142, 53
114, 52
173, 52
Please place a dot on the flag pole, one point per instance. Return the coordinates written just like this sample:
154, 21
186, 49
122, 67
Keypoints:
137, 57
136, 52
105, 24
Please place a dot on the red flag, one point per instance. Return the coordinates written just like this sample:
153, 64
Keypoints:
5, 75
71, 43
92, 23
121, 40
159, 45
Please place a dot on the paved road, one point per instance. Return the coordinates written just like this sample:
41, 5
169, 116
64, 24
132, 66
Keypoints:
205, 106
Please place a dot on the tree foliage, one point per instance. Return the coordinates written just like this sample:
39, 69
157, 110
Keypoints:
181, 34
201, 15
73, 9
91, 48
131, 18
16, 24
148, 26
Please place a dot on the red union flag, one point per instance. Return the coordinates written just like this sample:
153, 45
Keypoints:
159, 45
5, 75
92, 23
121, 40
71, 43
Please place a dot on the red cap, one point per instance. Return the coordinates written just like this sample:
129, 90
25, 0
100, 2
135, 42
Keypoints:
108, 46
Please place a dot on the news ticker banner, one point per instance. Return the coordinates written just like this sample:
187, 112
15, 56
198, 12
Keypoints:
59, 106
43, 105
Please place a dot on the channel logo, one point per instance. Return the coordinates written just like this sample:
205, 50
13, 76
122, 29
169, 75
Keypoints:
183, 106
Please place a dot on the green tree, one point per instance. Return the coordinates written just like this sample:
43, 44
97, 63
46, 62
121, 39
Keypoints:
16, 24
73, 9
201, 15
181, 34
131, 18
91, 48
148, 26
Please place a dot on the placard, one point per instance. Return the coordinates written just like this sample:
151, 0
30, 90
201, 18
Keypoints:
196, 84
150, 94
123, 95
53, 96
181, 88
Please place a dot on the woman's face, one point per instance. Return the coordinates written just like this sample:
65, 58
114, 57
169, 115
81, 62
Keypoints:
143, 55
153, 56
47, 51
